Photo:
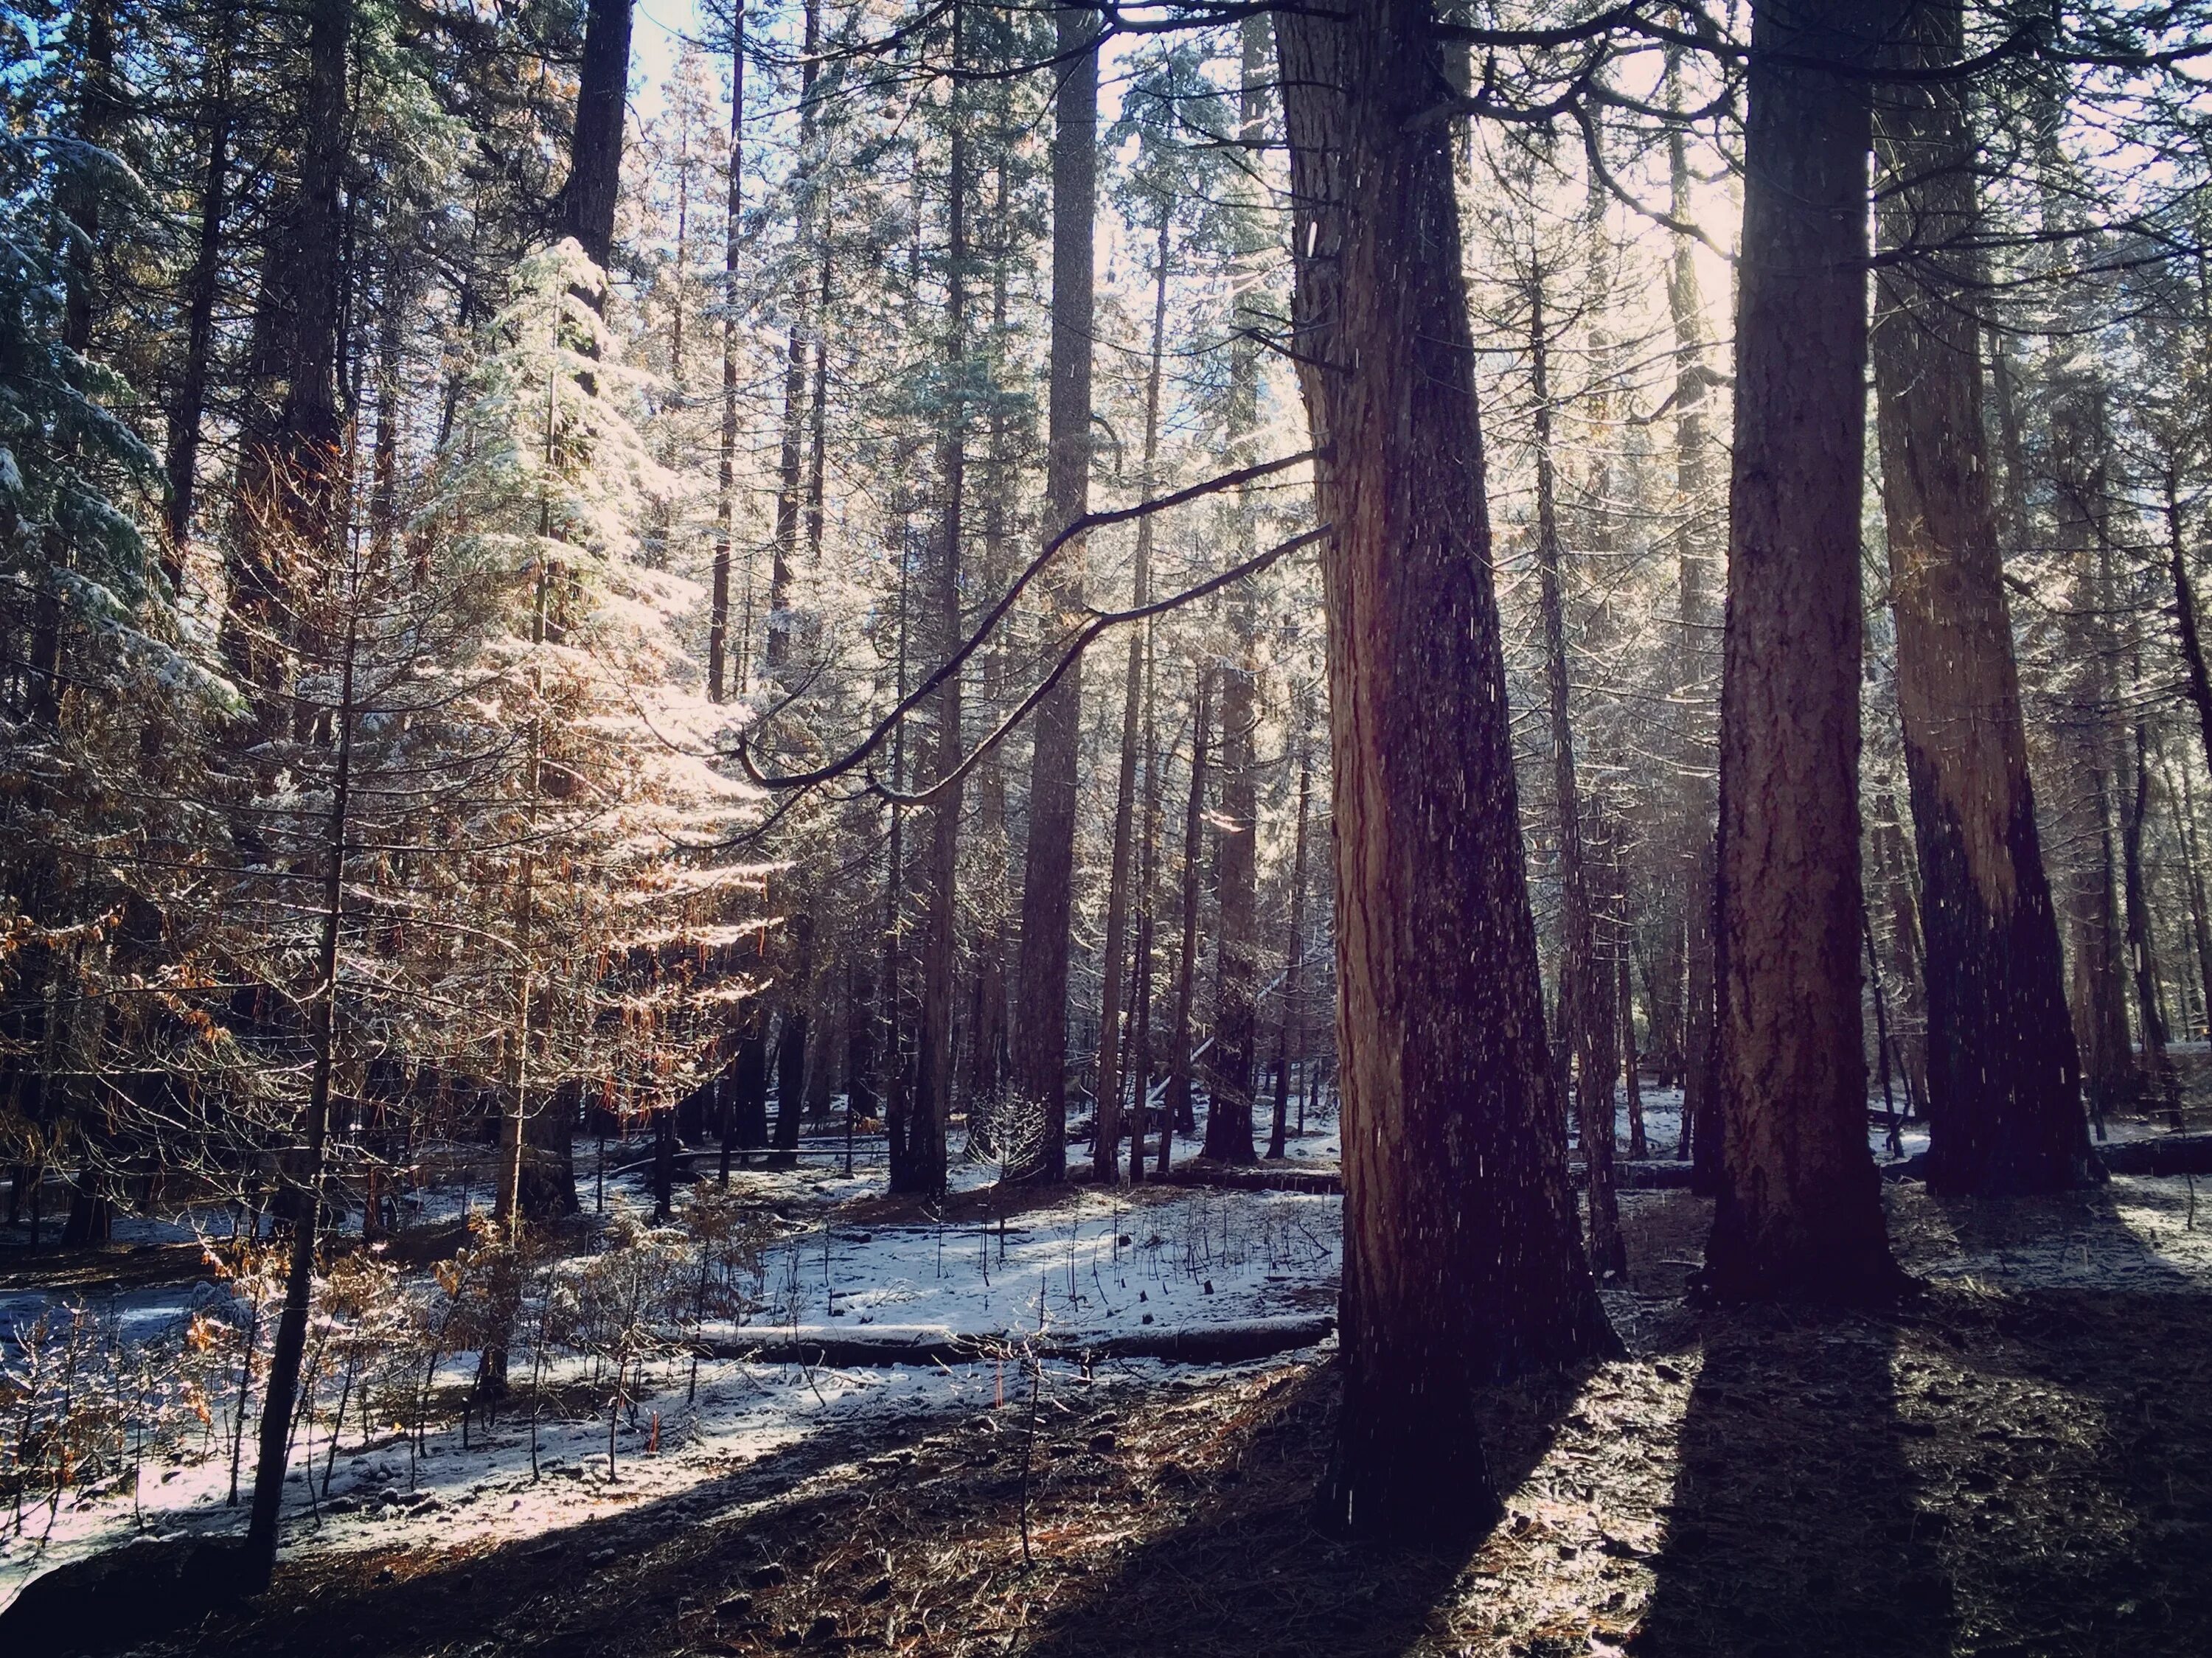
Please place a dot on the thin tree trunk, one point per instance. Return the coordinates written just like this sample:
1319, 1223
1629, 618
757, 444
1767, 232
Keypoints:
1106, 1139
282, 1390
1701, 1137
1294, 950
790, 479
1462, 1262
717, 615
1800, 1210
1581, 987
1176, 1113
933, 1100
1233, 1057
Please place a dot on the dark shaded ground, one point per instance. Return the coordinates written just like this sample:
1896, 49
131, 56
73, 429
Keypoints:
2019, 1472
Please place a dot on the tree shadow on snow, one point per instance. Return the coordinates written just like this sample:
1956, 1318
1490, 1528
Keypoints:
1246, 1573
1794, 1530
614, 1581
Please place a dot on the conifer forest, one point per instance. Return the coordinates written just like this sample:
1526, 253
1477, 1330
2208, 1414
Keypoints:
1260, 828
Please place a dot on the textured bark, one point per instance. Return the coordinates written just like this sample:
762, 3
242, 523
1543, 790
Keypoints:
594, 183
2003, 1076
989, 1030
2080, 459
1800, 1209
1049, 869
2142, 960
1462, 1260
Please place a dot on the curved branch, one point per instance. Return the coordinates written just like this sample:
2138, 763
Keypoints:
952, 663
1098, 623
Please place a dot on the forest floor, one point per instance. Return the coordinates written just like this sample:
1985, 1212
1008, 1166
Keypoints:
2018, 1462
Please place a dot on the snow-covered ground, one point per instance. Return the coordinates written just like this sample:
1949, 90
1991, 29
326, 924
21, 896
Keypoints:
1101, 1262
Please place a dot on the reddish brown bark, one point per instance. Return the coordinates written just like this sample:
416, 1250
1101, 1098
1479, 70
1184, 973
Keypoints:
1800, 1210
2004, 1077
1461, 1258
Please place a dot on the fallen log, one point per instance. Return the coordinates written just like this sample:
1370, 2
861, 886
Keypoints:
1279, 1176
1205, 1343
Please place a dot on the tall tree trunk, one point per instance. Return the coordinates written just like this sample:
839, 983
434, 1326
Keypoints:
1581, 986
2004, 1076
791, 1042
1701, 1135
1462, 1258
1105, 1142
1234, 1057
291, 446
2080, 448
718, 614
1049, 870
988, 1070
1139, 1062
1800, 1209
1176, 1113
189, 410
933, 1099
595, 184
1294, 950
2200, 920
790, 480
282, 1391
2142, 958
2190, 618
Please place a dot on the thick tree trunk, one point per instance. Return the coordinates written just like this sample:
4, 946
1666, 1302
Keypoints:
1462, 1258
290, 469
595, 184
1049, 870
2003, 1076
1800, 1209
